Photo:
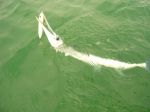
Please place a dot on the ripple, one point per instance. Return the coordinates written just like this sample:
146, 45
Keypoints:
8, 8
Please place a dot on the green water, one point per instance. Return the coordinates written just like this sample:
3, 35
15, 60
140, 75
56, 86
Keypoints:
34, 78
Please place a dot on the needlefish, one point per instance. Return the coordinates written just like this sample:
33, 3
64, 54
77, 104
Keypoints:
57, 43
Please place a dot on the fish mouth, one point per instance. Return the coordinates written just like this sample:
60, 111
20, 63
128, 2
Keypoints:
53, 39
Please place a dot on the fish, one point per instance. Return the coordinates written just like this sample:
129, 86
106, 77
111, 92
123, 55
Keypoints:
57, 43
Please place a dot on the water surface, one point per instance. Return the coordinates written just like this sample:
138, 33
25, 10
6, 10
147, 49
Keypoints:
34, 78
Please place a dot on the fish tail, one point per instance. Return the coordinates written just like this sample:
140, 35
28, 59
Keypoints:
148, 65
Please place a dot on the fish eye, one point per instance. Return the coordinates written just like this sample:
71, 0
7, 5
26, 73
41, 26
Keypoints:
57, 38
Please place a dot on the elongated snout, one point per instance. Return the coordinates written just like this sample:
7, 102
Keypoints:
40, 29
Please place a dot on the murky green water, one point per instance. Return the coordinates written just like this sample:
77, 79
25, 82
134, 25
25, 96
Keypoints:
34, 78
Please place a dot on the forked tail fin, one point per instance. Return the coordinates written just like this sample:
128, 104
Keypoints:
148, 65
40, 29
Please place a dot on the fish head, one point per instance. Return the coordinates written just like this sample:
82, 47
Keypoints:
53, 39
